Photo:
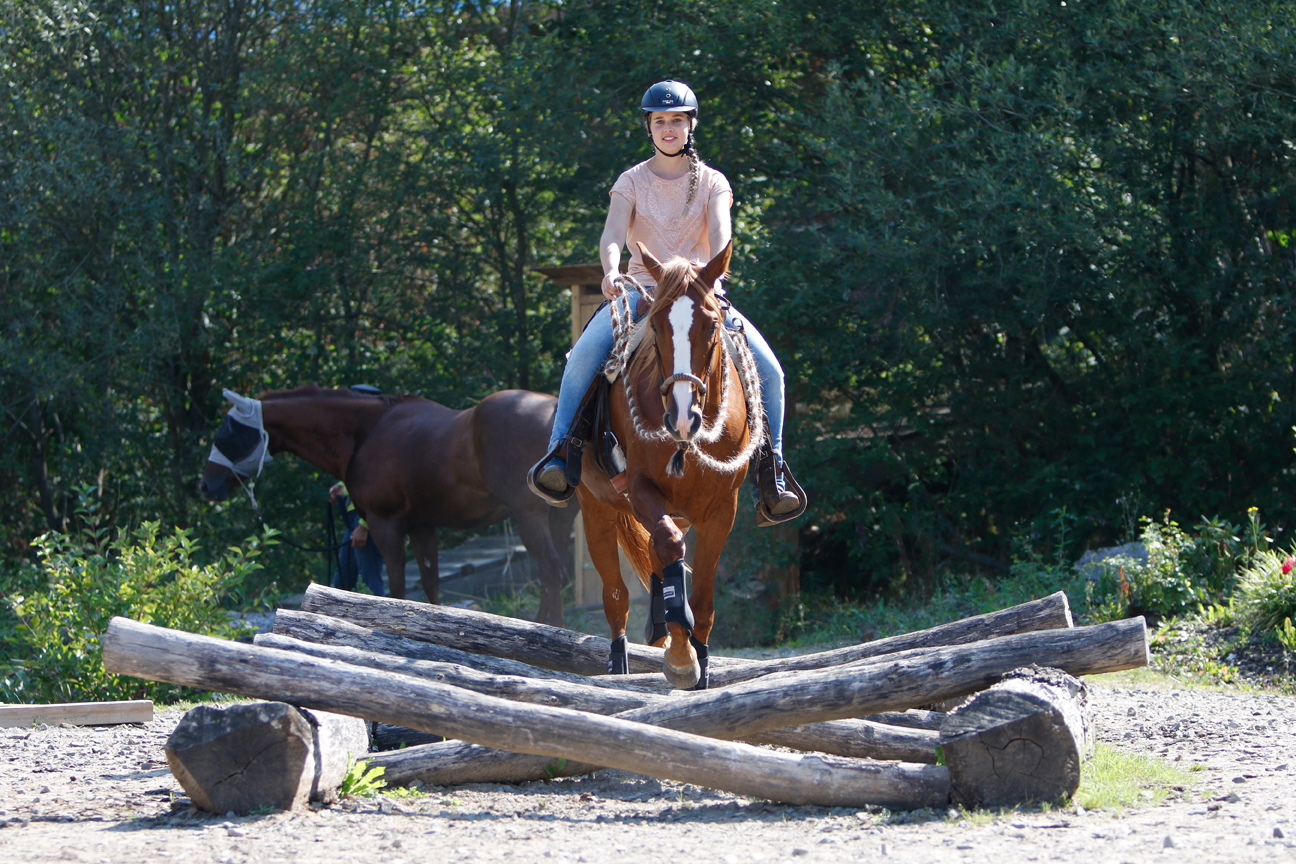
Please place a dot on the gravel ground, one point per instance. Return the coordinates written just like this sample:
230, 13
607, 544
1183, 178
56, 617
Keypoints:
106, 795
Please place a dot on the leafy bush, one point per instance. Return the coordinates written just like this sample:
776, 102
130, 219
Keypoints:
86, 578
1183, 571
1268, 589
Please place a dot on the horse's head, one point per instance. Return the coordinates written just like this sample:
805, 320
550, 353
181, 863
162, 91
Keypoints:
241, 448
685, 320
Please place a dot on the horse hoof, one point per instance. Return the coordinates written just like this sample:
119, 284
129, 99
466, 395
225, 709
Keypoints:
681, 677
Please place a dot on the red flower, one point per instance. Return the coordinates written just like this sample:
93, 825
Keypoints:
1288, 564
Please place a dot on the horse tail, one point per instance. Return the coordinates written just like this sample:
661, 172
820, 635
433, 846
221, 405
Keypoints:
635, 541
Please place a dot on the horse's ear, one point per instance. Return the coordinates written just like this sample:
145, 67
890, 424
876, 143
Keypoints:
241, 402
651, 264
716, 267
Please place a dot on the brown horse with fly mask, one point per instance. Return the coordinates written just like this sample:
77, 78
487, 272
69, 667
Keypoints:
680, 413
411, 466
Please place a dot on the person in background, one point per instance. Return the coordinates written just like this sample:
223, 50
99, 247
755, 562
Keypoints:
360, 557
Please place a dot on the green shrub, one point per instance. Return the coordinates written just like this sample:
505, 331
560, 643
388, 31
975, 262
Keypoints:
87, 578
1183, 572
1268, 589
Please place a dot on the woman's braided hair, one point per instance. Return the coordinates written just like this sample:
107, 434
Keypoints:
695, 170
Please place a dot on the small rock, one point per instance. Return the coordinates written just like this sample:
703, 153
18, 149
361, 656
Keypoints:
883, 851
1239, 779
1282, 767
1233, 798
1168, 842
798, 852
1278, 832
45, 790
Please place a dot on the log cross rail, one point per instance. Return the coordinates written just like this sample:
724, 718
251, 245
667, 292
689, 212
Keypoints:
894, 682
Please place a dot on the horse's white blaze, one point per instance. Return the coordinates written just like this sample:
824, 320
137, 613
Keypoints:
681, 320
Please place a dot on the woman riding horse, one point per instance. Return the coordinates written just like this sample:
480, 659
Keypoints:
675, 205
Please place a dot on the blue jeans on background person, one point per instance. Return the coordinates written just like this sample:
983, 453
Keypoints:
591, 351
365, 560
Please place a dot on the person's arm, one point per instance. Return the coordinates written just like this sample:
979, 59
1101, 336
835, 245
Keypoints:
719, 224
615, 230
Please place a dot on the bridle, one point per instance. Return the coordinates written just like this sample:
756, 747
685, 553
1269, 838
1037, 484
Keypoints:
242, 442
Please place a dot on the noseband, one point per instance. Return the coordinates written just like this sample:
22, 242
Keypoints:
697, 383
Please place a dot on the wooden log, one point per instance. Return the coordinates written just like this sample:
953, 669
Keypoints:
155, 653
1020, 742
537, 691
854, 738
1047, 613
898, 681
326, 630
555, 648
482, 633
914, 718
78, 713
307, 627
248, 757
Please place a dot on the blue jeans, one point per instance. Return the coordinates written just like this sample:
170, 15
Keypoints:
591, 351
364, 561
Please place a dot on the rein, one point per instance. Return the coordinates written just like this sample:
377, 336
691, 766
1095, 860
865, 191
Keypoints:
735, 351
283, 538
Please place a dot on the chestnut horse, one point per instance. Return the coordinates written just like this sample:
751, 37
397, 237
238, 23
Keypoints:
680, 415
411, 466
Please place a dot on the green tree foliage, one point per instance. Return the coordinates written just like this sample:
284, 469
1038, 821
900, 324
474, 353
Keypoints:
1041, 257
1016, 259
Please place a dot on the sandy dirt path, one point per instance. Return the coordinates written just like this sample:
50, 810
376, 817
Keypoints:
105, 795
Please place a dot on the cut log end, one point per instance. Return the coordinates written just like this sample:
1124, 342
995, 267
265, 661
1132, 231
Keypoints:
266, 755
1021, 742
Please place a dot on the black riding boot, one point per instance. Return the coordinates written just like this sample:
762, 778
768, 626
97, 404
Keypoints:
779, 498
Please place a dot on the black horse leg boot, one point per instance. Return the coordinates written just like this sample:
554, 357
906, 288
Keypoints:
675, 595
619, 661
656, 626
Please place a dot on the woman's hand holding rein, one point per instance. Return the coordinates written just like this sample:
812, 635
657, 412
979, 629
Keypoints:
613, 285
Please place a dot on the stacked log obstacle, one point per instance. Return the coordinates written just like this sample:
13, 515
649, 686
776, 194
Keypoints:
855, 738
563, 650
155, 653
1020, 742
650, 743
247, 757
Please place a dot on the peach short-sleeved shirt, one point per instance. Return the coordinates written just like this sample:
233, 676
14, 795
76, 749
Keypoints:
659, 220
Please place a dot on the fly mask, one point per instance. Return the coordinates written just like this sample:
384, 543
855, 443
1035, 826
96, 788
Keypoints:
242, 444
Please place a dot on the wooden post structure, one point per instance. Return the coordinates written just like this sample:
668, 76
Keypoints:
585, 282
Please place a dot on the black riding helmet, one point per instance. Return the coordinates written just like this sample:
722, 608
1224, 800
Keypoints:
669, 95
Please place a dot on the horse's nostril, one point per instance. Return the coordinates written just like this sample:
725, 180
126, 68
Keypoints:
695, 420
